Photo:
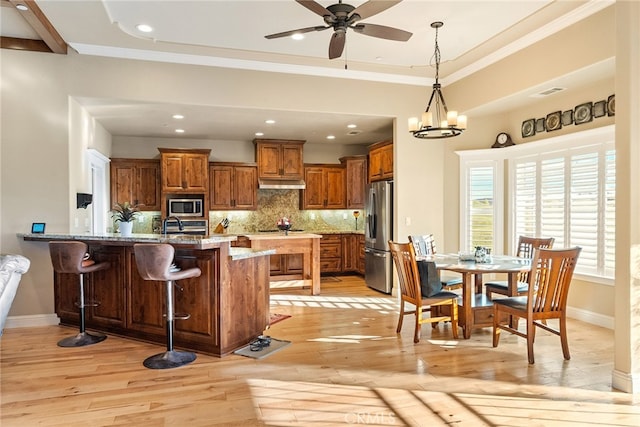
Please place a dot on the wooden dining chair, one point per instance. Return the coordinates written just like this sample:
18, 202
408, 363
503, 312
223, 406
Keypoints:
546, 299
526, 246
410, 292
425, 245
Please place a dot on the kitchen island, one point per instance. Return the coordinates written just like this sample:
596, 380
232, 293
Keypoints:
307, 244
228, 304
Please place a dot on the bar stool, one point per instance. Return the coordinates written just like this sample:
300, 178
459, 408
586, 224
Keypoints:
154, 263
69, 257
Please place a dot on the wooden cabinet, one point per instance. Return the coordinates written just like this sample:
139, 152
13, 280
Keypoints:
184, 170
279, 159
356, 181
325, 187
108, 311
233, 186
381, 161
331, 253
361, 254
286, 265
136, 181
349, 252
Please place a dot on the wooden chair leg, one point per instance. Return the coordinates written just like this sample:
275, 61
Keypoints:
416, 333
399, 328
496, 330
454, 318
530, 337
563, 338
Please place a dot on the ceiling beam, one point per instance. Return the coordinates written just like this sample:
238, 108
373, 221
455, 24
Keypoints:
41, 25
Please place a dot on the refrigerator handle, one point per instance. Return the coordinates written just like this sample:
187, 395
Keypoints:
371, 217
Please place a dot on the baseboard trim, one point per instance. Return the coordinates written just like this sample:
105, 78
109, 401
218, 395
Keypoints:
591, 317
31, 321
628, 383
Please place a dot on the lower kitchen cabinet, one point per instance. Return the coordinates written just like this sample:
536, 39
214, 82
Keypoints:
286, 265
331, 253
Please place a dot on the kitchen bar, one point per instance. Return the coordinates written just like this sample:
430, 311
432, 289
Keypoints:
228, 304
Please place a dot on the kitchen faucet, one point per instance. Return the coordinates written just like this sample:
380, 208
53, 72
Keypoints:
164, 224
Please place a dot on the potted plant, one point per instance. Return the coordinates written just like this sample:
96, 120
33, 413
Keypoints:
125, 213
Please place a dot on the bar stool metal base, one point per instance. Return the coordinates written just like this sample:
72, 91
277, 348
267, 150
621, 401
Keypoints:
82, 339
169, 359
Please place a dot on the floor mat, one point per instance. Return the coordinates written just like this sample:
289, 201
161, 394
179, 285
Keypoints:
276, 345
275, 318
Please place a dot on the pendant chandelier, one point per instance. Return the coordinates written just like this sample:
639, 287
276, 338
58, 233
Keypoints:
437, 121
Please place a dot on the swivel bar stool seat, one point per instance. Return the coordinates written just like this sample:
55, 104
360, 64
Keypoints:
69, 257
154, 263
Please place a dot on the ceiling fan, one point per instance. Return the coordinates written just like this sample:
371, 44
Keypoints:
341, 16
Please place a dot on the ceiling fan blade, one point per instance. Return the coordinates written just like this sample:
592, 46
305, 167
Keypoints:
336, 46
371, 8
298, 31
316, 8
382, 32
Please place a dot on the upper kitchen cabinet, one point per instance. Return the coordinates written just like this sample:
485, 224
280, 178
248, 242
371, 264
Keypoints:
184, 170
279, 159
356, 180
136, 181
324, 187
381, 161
233, 186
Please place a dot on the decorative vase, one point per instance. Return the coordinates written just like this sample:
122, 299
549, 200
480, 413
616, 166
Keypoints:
126, 228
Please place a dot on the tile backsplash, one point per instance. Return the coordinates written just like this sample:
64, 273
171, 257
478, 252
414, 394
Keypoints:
274, 204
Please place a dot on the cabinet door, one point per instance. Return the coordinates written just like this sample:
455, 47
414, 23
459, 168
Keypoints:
276, 265
172, 172
196, 172
294, 264
221, 187
292, 166
386, 161
313, 196
245, 186
375, 165
361, 253
269, 160
349, 254
356, 183
123, 182
334, 188
109, 298
148, 186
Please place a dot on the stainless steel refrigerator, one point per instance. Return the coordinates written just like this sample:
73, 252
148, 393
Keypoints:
378, 230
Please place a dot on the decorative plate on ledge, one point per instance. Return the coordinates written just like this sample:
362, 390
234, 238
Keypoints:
528, 128
582, 113
554, 121
611, 105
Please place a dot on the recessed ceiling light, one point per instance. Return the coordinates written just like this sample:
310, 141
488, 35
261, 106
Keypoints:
179, 130
144, 28
331, 137
297, 36
269, 121
259, 134
178, 116
351, 126
21, 7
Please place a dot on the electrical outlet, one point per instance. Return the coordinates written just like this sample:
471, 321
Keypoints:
140, 219
312, 216
344, 216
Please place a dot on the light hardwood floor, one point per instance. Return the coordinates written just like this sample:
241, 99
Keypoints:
346, 366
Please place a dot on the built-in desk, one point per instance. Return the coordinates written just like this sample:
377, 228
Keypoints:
228, 303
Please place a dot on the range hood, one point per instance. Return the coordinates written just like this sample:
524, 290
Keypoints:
279, 184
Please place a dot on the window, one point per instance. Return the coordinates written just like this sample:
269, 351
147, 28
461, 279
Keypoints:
562, 187
567, 191
481, 202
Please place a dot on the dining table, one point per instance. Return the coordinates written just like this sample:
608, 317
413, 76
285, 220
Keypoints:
475, 308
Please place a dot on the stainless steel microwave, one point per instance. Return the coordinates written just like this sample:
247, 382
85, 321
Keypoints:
186, 207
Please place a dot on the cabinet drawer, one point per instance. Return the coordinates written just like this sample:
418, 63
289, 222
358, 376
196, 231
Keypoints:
331, 265
333, 250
